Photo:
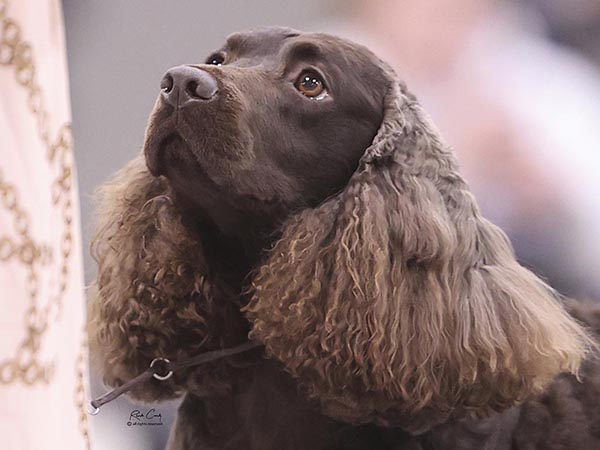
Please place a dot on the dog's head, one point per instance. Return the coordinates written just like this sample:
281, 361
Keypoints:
386, 294
274, 121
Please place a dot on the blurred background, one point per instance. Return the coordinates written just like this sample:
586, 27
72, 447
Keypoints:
514, 86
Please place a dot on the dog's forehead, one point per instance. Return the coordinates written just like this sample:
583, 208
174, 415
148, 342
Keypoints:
268, 39
271, 40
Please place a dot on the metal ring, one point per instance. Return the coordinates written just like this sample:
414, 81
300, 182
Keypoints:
161, 377
92, 410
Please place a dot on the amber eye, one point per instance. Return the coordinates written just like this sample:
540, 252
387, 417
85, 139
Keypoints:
216, 59
311, 85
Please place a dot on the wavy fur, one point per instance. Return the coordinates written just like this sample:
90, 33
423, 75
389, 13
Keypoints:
396, 302
154, 294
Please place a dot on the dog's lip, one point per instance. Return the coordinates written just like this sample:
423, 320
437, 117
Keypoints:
162, 131
166, 151
171, 143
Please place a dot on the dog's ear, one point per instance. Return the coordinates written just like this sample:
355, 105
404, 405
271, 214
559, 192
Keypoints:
152, 296
397, 302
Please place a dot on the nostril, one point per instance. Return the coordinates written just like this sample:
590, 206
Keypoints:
192, 89
201, 86
166, 83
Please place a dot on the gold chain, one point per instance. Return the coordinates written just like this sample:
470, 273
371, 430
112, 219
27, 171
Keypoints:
81, 394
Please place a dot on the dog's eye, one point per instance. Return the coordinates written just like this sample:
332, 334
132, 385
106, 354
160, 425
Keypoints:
311, 85
216, 59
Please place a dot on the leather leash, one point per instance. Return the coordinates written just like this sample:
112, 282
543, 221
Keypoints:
162, 369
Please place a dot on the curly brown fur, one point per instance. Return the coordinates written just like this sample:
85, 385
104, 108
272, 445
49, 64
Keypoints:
396, 302
340, 235
154, 295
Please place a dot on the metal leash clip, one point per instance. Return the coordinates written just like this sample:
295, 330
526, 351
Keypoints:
155, 374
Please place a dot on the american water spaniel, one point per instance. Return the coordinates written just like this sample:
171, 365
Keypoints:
293, 192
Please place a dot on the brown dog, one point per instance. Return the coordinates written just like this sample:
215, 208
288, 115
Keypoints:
293, 189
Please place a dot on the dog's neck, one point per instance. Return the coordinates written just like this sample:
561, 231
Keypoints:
234, 243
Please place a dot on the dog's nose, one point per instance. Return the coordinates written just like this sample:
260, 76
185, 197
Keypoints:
183, 85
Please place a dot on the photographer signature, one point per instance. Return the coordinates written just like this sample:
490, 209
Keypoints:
139, 417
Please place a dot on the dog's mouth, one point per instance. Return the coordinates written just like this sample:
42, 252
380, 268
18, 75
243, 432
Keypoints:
173, 158
174, 136
167, 154
199, 149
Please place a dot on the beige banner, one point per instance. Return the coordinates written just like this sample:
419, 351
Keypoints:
43, 360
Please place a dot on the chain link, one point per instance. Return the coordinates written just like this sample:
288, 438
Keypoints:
81, 394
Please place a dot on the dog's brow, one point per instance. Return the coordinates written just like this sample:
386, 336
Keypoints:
236, 42
304, 50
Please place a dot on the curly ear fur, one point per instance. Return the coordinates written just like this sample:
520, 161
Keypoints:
396, 302
153, 294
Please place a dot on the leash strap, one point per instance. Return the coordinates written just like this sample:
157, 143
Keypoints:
162, 369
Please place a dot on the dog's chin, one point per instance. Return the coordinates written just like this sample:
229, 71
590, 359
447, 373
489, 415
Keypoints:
170, 156
165, 149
